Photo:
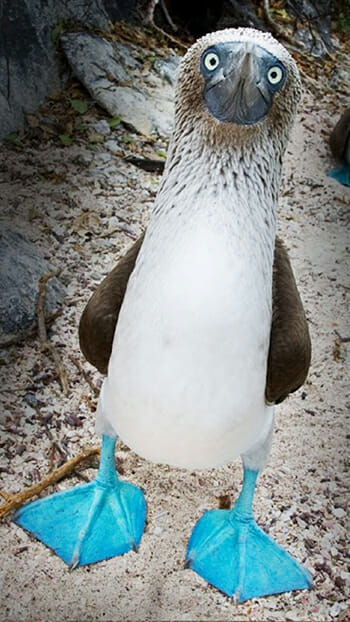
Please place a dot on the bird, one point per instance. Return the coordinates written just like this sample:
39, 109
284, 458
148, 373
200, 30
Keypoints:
199, 329
339, 142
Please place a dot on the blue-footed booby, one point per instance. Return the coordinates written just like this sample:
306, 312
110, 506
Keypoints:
199, 329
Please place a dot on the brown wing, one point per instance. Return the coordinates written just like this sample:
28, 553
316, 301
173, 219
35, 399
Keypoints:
290, 345
99, 318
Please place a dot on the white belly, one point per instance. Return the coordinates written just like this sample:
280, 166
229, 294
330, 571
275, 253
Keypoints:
186, 378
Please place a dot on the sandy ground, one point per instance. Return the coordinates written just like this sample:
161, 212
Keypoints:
73, 202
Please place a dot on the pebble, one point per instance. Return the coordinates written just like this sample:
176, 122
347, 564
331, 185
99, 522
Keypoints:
341, 502
113, 145
335, 610
104, 157
339, 512
31, 399
4, 357
84, 158
102, 127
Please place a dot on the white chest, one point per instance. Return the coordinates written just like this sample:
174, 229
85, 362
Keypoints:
186, 378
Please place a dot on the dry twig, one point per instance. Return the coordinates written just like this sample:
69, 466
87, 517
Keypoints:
80, 368
12, 502
167, 35
276, 28
45, 343
341, 338
125, 230
283, 34
167, 16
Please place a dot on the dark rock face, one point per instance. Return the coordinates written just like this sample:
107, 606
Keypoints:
21, 267
27, 61
28, 54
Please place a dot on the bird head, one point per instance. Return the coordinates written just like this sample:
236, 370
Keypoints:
237, 80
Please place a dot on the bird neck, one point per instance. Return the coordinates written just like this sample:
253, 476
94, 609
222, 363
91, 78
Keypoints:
226, 168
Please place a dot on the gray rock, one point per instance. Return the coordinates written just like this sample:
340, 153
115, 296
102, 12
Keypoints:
128, 104
21, 266
167, 68
103, 157
28, 68
92, 58
29, 63
113, 145
114, 75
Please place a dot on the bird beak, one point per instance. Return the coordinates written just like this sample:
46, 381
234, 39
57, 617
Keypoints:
239, 92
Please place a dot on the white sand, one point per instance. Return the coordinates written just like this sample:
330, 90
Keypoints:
304, 492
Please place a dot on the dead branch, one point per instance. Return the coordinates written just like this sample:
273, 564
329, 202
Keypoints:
119, 229
167, 16
80, 368
283, 34
276, 28
45, 343
341, 338
12, 502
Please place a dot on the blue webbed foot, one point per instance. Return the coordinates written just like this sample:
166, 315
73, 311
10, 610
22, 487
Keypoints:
91, 522
238, 558
341, 174
231, 552
88, 523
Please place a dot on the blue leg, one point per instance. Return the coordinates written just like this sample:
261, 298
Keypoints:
231, 552
92, 522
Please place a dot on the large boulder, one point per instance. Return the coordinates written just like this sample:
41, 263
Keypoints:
115, 76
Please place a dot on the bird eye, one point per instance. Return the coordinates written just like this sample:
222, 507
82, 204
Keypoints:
211, 61
275, 75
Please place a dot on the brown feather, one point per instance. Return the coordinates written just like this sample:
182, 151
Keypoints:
99, 318
290, 345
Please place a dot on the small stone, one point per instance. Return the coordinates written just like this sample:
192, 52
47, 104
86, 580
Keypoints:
102, 127
31, 399
4, 357
335, 610
20, 450
74, 421
341, 502
85, 158
113, 146
339, 512
224, 502
113, 222
104, 157
339, 581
